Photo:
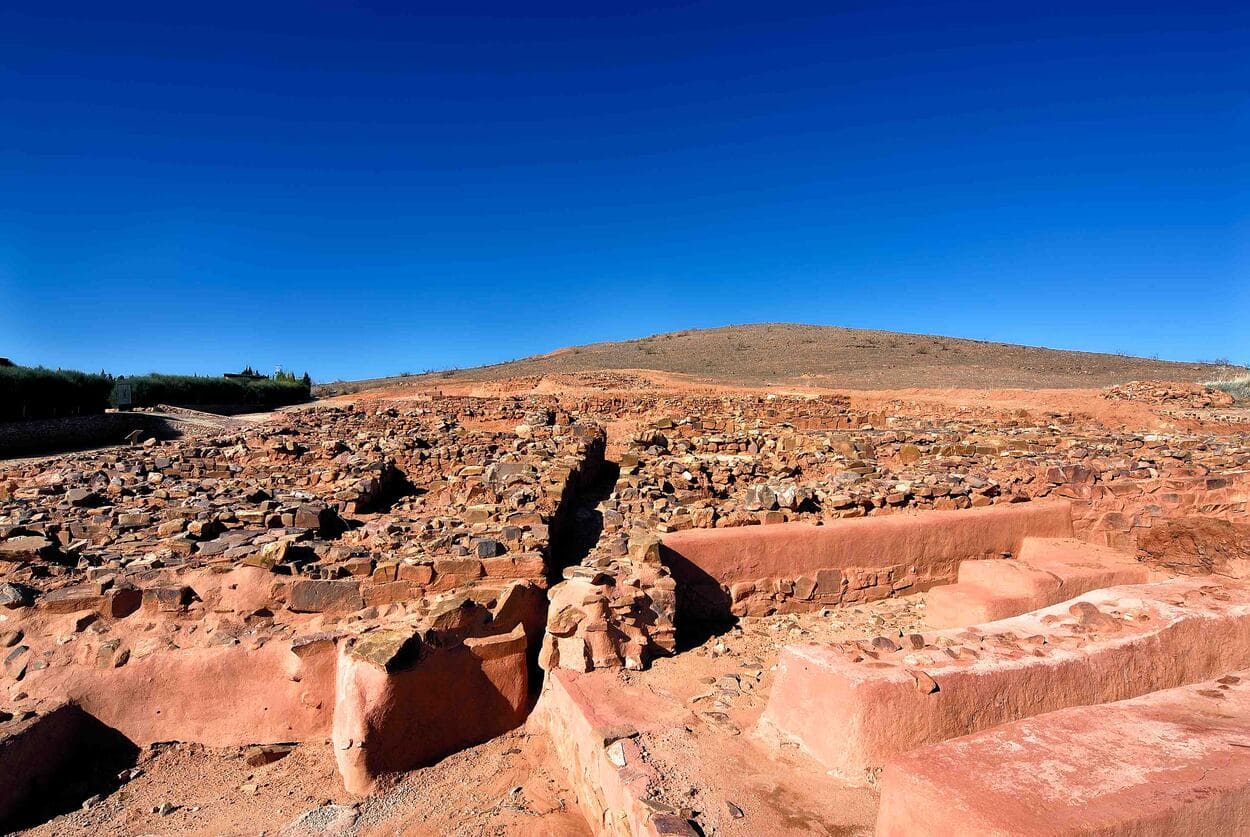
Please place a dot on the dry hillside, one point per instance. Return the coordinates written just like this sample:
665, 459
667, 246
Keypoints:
828, 356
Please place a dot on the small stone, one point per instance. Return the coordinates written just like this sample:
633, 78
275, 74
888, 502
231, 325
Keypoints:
925, 684
14, 596
389, 649
884, 643
658, 807
258, 755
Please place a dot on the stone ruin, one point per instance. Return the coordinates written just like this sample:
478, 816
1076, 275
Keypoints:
405, 580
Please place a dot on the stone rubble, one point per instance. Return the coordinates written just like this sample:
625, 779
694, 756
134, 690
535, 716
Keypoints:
379, 538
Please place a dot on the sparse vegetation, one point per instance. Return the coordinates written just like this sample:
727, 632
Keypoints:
1238, 388
770, 353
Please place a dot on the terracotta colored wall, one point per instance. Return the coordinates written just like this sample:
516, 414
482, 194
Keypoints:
457, 697
221, 696
609, 797
854, 717
753, 570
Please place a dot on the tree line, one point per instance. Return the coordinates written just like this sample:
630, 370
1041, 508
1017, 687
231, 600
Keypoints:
31, 392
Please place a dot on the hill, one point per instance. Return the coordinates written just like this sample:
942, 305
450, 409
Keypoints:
769, 354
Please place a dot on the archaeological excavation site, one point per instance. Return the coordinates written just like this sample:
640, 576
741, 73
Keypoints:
645, 419
626, 603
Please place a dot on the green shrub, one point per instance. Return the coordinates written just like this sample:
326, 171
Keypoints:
194, 391
32, 392
1238, 388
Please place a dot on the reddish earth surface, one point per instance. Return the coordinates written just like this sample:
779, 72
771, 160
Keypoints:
631, 602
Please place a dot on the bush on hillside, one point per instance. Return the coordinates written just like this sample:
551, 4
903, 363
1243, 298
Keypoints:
32, 392
1238, 388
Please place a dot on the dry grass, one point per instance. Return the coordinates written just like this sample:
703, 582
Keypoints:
1238, 388
771, 354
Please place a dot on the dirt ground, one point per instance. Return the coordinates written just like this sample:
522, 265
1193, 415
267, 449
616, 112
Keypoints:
1086, 404
504, 786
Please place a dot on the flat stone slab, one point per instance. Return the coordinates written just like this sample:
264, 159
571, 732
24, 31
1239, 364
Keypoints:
855, 706
1172, 762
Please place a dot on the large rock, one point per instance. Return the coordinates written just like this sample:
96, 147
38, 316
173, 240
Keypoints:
388, 721
27, 549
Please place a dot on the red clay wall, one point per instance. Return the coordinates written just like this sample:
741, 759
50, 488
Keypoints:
755, 570
381, 721
385, 722
220, 696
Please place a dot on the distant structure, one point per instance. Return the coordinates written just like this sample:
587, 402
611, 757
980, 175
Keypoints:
4, 361
248, 374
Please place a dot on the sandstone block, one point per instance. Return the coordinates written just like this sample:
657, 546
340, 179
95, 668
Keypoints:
324, 596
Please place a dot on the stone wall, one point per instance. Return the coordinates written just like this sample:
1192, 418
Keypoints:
740, 465
373, 575
30, 438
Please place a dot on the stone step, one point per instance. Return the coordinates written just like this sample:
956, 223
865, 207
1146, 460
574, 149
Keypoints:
964, 603
1171, 762
1006, 576
853, 707
1047, 571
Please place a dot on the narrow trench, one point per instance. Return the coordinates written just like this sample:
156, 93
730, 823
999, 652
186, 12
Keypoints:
575, 530
578, 523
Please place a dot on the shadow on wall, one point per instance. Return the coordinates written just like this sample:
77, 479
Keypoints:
703, 605
578, 523
54, 762
387, 722
64, 435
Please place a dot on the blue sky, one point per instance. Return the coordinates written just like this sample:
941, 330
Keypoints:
365, 188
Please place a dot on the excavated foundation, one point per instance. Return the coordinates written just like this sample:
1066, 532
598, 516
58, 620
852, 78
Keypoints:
854, 707
844, 710
756, 570
396, 663
922, 613
1172, 762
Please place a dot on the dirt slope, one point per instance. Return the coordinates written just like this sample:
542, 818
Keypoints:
828, 356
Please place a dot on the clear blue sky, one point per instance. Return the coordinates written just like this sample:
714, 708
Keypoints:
366, 188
